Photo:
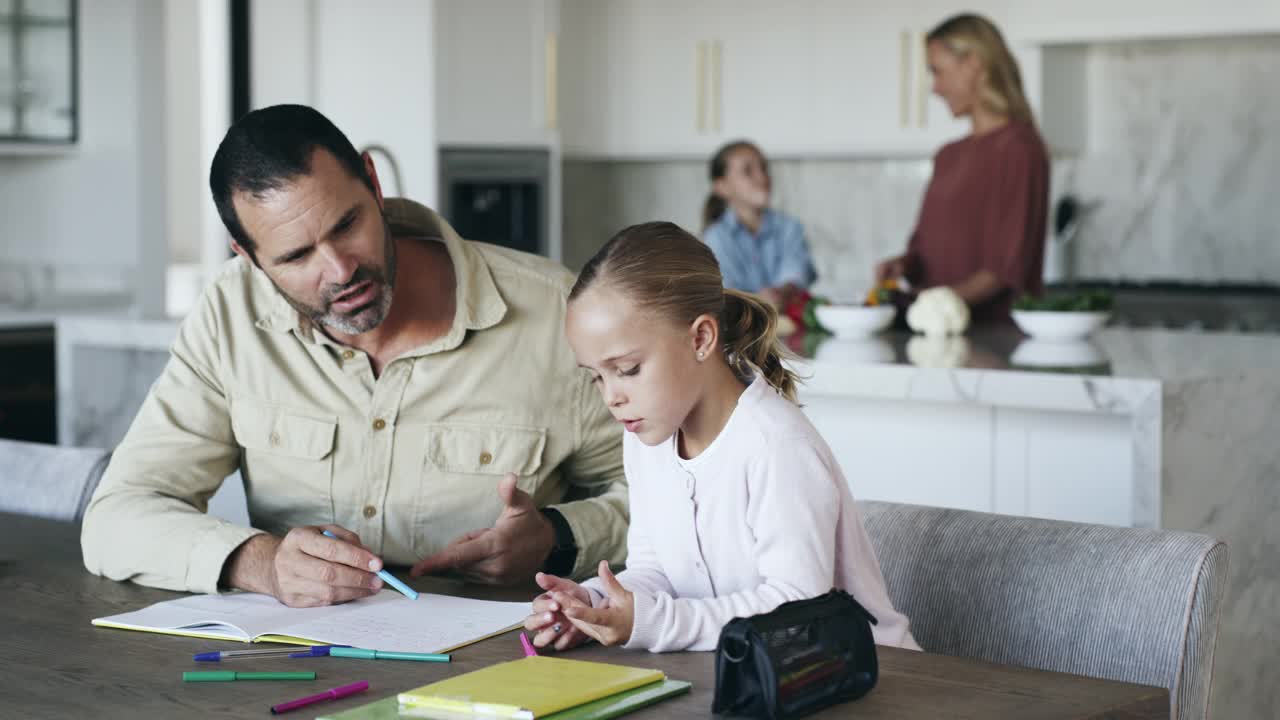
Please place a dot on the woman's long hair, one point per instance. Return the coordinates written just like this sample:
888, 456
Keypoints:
1001, 93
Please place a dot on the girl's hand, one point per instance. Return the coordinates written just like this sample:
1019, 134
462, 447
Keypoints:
548, 623
608, 625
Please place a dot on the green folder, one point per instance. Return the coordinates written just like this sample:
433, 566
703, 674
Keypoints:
613, 706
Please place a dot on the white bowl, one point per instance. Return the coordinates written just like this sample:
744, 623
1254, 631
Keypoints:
1058, 325
1057, 354
862, 351
854, 321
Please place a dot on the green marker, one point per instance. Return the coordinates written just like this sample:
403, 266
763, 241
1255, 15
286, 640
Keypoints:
230, 675
363, 654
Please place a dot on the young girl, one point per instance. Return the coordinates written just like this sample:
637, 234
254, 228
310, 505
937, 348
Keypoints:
737, 504
760, 249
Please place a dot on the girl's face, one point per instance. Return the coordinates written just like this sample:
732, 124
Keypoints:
645, 368
746, 180
956, 79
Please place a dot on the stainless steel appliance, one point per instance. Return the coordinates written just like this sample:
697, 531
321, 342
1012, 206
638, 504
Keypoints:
498, 196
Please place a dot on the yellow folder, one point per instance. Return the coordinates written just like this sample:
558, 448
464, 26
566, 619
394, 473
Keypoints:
528, 688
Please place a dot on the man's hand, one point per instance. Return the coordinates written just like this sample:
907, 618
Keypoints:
305, 568
548, 623
609, 625
512, 550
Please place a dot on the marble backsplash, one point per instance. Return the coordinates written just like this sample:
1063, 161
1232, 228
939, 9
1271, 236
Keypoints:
1180, 170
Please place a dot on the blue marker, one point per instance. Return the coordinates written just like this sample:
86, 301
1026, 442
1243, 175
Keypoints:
387, 577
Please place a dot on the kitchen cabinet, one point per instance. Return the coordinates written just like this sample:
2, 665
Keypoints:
497, 72
1063, 466
1050, 21
1047, 463
636, 78
812, 77
38, 102
919, 453
874, 86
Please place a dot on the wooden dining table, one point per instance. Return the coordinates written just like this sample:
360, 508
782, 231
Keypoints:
54, 664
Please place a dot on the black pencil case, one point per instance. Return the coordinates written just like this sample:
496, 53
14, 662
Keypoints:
800, 658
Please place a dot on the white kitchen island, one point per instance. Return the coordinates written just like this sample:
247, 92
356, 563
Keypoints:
1145, 428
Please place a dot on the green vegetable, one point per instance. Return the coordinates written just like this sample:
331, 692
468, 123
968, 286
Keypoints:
1087, 301
811, 314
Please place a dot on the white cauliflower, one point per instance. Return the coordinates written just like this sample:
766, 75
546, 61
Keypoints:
938, 351
938, 312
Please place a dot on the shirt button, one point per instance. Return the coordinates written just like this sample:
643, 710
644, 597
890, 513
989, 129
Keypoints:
347, 354
275, 439
379, 424
485, 458
370, 511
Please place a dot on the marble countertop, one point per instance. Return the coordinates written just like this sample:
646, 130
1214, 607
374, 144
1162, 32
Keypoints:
15, 318
1141, 354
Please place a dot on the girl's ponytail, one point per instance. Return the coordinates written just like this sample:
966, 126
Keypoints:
749, 335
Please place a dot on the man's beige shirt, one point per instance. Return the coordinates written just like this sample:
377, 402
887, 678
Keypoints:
408, 460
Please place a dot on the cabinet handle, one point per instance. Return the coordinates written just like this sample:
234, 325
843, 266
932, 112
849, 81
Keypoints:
700, 82
904, 82
922, 81
551, 80
717, 97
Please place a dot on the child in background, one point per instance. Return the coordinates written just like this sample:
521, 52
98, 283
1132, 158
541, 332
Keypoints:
760, 250
737, 504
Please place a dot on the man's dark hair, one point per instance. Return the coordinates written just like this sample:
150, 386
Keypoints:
267, 149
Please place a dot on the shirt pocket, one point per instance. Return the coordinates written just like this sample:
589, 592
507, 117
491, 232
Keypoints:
287, 464
462, 465
486, 449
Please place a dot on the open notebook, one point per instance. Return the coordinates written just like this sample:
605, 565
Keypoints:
386, 621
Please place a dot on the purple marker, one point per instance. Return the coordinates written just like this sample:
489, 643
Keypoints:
331, 694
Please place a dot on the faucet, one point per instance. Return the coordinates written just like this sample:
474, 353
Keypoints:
391, 163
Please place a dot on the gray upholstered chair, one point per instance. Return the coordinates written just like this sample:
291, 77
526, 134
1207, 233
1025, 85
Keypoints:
1124, 604
48, 480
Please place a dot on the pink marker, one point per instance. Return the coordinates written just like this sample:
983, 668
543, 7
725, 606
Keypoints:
332, 694
528, 646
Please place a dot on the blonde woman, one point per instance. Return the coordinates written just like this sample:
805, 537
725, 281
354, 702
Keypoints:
981, 228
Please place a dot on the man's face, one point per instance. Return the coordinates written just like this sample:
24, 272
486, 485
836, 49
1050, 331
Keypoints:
323, 242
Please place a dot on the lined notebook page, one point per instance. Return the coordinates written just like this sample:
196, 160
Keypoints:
432, 623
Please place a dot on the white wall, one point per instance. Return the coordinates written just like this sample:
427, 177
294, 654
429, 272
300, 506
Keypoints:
83, 208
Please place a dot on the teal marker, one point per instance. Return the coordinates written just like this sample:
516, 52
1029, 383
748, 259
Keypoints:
230, 676
361, 653
387, 577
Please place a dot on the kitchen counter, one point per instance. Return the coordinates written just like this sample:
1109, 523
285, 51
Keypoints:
1167, 355
12, 317
1146, 428
1117, 371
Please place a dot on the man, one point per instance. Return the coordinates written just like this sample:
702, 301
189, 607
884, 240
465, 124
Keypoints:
369, 372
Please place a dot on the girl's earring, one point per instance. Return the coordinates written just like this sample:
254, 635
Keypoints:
701, 355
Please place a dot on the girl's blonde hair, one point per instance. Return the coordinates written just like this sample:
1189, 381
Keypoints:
1002, 92
673, 275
